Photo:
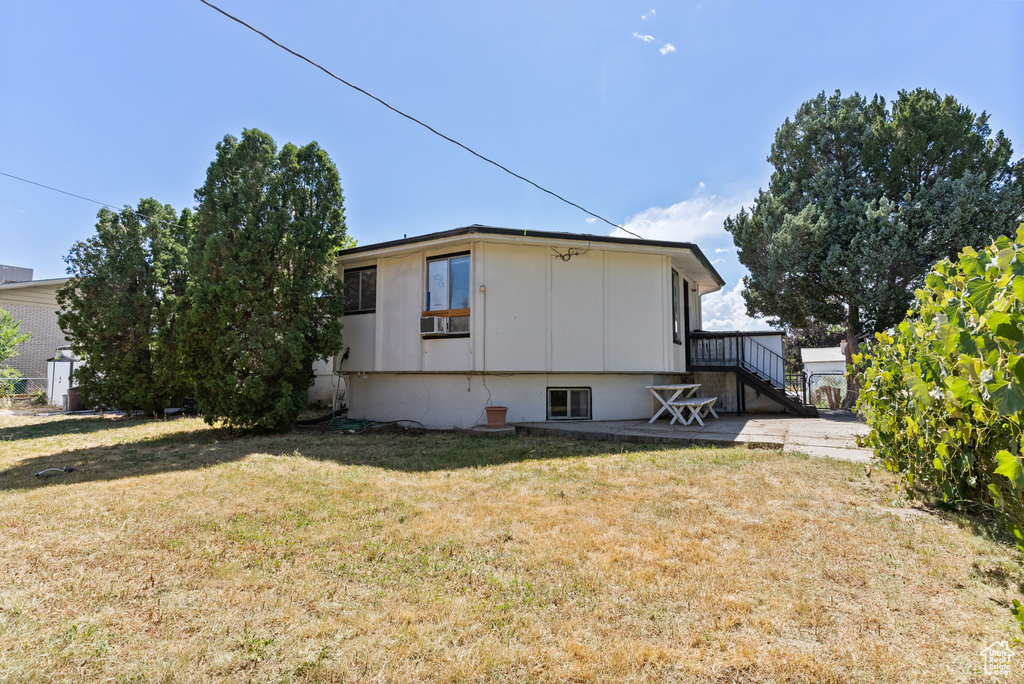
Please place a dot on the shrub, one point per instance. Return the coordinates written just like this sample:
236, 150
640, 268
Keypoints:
943, 392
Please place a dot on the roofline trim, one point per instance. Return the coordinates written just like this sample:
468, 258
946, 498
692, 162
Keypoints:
30, 283
545, 235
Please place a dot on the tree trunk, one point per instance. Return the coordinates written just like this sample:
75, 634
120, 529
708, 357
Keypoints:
852, 335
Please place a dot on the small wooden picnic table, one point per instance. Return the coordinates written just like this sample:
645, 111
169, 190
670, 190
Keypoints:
660, 392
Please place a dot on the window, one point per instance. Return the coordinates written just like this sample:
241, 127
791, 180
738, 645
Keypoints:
568, 403
676, 332
361, 290
448, 291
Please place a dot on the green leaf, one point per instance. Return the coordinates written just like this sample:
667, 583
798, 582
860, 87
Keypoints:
1007, 397
962, 390
1004, 325
1010, 467
919, 389
948, 338
997, 497
980, 294
938, 464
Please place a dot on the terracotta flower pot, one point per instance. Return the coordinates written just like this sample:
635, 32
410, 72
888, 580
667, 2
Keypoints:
496, 416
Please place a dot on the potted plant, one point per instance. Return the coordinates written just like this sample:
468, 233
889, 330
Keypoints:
496, 416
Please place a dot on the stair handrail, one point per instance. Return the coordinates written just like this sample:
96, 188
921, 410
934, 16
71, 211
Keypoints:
740, 350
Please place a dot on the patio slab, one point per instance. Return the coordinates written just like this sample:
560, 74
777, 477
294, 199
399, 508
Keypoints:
833, 434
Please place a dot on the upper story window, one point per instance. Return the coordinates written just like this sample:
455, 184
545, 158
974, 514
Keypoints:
448, 291
361, 290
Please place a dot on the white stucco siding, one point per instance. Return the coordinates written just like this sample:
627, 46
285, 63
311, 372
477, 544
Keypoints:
766, 363
515, 306
601, 310
445, 400
447, 354
400, 283
359, 336
578, 313
636, 323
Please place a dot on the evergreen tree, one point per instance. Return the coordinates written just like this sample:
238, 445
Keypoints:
120, 308
864, 200
264, 299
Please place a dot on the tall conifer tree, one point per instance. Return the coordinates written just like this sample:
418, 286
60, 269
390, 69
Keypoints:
119, 309
264, 300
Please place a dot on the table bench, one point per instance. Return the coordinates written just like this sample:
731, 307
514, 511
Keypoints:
673, 393
696, 406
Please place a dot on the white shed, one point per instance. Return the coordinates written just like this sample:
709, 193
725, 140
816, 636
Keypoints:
823, 360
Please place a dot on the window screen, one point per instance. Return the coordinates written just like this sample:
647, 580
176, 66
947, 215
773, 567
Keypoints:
568, 403
360, 290
448, 290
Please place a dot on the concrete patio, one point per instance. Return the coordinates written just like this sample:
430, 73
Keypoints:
833, 434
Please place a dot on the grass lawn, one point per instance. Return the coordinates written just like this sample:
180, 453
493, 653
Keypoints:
177, 552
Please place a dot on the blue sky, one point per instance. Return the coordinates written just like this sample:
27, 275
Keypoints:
120, 100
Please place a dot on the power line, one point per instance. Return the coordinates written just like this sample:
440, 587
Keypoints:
89, 199
63, 192
412, 118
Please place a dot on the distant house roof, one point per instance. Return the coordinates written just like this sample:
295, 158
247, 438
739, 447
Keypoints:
55, 282
31, 292
822, 355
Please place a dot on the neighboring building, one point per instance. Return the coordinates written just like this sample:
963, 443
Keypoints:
825, 375
823, 360
13, 274
552, 325
33, 303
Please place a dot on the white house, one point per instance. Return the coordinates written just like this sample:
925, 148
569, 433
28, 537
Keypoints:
552, 325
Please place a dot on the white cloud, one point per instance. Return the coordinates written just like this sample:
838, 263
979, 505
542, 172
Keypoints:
725, 310
590, 219
649, 15
698, 218
645, 38
701, 185
669, 47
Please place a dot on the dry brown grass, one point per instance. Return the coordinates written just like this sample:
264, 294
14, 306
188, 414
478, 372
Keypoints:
179, 553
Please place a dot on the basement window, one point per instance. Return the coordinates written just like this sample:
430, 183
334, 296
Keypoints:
569, 403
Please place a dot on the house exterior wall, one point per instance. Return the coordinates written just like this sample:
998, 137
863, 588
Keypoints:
774, 344
37, 314
600, 311
440, 400
723, 386
600, 319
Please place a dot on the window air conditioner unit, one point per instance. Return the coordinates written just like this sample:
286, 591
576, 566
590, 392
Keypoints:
433, 325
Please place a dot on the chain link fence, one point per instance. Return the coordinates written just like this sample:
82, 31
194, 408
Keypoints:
21, 387
827, 390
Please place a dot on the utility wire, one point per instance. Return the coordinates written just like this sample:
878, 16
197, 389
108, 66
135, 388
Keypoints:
89, 199
412, 118
63, 192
